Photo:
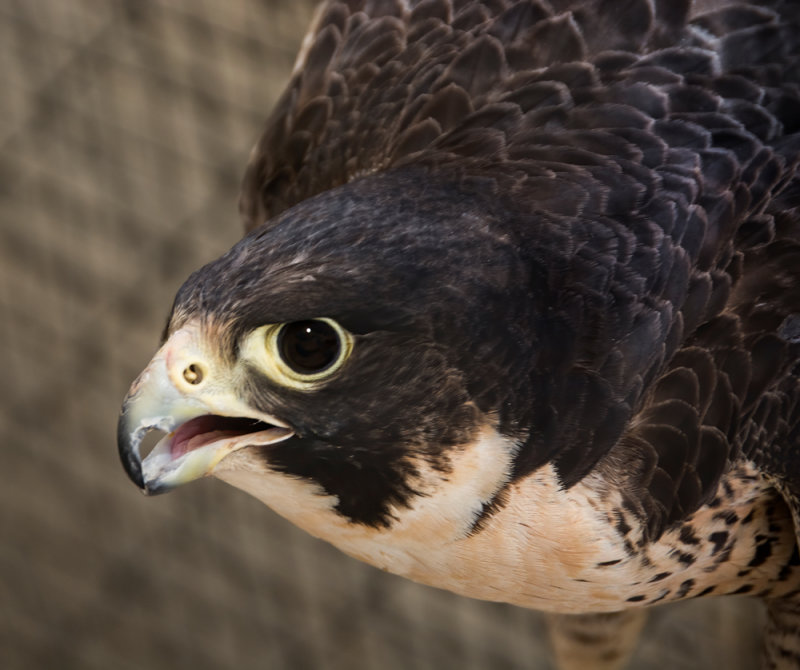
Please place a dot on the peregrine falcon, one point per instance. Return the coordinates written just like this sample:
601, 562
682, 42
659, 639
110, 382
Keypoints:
517, 313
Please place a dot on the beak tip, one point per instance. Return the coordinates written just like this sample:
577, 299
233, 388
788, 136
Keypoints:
129, 453
134, 471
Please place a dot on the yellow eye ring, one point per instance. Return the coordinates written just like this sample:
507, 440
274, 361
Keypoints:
301, 354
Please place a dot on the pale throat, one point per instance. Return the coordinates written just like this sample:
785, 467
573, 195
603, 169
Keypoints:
543, 547
541, 532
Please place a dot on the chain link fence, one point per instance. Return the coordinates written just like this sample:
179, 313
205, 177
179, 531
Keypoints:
124, 130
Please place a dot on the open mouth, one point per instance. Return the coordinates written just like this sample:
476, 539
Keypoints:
209, 428
194, 448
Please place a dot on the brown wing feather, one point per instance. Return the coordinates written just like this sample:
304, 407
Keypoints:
379, 82
732, 390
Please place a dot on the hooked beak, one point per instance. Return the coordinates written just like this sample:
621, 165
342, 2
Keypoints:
184, 394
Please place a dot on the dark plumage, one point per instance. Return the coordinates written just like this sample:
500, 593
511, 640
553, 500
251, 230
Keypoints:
562, 244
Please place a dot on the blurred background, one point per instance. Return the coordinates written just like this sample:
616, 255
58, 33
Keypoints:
124, 131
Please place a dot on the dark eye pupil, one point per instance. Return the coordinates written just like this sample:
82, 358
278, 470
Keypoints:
309, 346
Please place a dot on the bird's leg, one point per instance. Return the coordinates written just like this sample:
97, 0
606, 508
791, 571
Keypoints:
602, 641
782, 634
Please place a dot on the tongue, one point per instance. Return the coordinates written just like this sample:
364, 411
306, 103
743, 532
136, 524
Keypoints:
206, 429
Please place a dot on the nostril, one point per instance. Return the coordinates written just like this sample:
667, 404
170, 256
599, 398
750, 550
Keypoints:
193, 374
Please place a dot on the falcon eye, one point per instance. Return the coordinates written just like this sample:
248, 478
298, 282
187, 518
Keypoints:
300, 354
309, 347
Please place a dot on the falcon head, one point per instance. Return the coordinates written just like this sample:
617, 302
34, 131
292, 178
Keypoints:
357, 349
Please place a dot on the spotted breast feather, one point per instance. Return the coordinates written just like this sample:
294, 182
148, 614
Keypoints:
518, 309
